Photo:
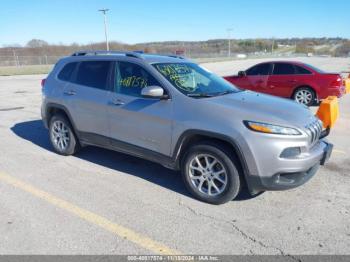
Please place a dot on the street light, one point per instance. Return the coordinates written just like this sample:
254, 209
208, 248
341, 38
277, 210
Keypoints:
229, 31
104, 11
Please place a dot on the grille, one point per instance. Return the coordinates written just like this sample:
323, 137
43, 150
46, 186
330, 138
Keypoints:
314, 130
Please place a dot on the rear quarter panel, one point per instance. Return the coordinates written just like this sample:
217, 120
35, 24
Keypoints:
327, 86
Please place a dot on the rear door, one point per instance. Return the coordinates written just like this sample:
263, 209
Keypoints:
86, 97
257, 77
282, 81
143, 123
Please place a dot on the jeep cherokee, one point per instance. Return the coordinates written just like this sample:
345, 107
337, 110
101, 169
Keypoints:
174, 112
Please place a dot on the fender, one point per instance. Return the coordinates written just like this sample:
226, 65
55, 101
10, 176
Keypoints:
252, 181
186, 136
64, 109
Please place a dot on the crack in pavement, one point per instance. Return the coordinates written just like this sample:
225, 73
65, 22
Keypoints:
245, 235
240, 231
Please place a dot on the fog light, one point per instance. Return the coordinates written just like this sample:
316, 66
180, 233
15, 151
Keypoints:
290, 152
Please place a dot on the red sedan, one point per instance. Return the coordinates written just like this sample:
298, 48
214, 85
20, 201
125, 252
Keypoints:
301, 82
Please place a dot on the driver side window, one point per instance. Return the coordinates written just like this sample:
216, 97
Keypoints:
131, 78
262, 69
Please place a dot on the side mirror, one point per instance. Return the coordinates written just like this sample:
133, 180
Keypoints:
153, 92
242, 73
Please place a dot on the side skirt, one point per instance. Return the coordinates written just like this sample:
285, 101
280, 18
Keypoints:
126, 148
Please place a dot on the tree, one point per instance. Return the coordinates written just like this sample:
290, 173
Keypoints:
37, 43
304, 47
343, 50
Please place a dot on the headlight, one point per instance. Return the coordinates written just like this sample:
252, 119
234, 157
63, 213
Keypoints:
271, 129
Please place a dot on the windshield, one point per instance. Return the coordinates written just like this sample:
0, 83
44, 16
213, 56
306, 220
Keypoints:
193, 80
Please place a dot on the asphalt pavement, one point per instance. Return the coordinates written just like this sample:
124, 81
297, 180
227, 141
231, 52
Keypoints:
103, 202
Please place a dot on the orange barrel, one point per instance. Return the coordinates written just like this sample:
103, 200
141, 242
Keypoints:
328, 111
347, 85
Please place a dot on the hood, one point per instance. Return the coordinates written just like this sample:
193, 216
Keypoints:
265, 108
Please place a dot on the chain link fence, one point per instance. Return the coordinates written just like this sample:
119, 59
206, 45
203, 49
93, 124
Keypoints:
19, 61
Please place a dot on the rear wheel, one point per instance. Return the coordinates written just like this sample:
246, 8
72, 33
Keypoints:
211, 174
305, 96
62, 136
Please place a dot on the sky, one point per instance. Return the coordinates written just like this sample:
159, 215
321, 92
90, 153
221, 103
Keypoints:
136, 21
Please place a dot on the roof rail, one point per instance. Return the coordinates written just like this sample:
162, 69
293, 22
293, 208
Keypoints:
104, 52
176, 56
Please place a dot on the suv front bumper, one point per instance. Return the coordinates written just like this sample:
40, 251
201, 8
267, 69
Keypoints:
288, 180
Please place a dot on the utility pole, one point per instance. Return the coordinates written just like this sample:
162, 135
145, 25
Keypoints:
15, 58
229, 31
104, 11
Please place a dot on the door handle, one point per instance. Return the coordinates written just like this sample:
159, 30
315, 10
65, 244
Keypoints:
117, 102
70, 93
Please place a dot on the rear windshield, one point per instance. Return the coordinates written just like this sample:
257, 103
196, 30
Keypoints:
316, 69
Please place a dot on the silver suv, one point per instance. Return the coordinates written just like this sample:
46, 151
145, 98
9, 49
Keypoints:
174, 112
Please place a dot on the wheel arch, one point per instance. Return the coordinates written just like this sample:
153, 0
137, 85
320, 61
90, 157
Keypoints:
52, 109
192, 137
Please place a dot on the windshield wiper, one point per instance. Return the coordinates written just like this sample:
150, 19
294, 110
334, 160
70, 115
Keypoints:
224, 93
200, 95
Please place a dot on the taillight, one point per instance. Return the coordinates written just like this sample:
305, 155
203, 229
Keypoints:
338, 81
43, 83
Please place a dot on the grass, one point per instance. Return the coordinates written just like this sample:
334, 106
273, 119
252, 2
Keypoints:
24, 70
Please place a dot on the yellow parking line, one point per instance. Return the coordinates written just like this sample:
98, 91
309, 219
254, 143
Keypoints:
339, 151
95, 219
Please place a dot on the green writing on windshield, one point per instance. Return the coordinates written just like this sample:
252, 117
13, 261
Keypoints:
179, 74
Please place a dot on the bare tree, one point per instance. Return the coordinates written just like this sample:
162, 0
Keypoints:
34, 43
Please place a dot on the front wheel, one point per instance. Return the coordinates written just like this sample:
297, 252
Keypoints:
210, 173
305, 96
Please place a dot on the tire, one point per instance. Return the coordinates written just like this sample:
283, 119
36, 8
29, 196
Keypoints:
305, 96
193, 174
62, 136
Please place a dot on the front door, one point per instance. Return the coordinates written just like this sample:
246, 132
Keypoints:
140, 122
257, 77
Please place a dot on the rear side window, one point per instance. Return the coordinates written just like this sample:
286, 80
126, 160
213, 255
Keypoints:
67, 71
263, 69
283, 69
94, 74
301, 71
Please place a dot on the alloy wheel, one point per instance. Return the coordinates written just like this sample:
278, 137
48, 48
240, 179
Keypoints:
60, 135
208, 175
303, 97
